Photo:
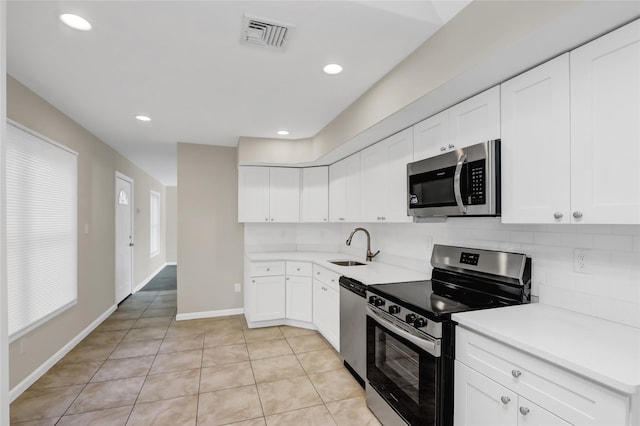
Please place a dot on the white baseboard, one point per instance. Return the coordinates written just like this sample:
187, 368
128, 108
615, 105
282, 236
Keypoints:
285, 321
45, 366
171, 264
209, 314
150, 277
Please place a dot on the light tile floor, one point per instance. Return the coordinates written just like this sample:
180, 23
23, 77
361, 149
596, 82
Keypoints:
141, 367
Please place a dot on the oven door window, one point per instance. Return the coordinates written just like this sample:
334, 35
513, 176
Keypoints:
404, 375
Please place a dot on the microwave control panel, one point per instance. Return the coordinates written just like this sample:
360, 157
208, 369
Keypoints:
476, 175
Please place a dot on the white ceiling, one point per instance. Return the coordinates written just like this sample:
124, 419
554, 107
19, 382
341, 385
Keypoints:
181, 63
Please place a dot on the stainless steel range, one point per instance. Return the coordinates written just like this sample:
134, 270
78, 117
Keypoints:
410, 334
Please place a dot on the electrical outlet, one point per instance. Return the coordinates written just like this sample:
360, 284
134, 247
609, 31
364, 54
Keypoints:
581, 261
237, 287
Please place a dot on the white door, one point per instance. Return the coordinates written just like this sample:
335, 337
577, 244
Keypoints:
605, 128
299, 298
399, 154
373, 193
338, 191
269, 298
535, 146
352, 188
124, 237
475, 120
530, 414
315, 194
431, 136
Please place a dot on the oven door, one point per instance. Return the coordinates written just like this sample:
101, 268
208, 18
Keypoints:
404, 370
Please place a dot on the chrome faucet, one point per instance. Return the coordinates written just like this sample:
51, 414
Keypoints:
370, 255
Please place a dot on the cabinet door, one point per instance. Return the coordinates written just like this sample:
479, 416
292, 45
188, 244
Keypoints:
373, 192
530, 414
284, 194
431, 136
479, 400
338, 191
315, 194
475, 120
299, 298
268, 298
605, 128
352, 188
253, 194
326, 312
536, 145
399, 154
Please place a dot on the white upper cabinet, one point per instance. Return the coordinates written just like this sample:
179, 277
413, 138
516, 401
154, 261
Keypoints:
344, 190
536, 145
384, 178
605, 128
470, 122
315, 194
253, 194
431, 136
475, 120
268, 194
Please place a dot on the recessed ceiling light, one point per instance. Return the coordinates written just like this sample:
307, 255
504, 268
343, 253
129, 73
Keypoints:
75, 21
332, 69
283, 132
143, 118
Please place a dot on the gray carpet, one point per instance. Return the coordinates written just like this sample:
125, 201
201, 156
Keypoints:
165, 280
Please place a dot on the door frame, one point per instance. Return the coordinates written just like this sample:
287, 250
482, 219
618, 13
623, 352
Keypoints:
115, 234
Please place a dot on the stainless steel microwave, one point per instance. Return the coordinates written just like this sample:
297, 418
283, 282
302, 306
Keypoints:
464, 182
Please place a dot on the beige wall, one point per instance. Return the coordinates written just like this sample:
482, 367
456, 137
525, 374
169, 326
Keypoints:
97, 164
171, 228
210, 252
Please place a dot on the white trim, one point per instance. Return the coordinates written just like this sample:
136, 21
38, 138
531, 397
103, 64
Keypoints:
115, 222
285, 321
45, 366
156, 194
18, 334
171, 264
210, 314
150, 277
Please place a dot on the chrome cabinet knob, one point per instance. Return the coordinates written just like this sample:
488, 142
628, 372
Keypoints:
271, 219
253, 281
505, 399
442, 148
516, 373
325, 219
288, 278
524, 411
268, 269
451, 146
557, 215
266, 219
577, 215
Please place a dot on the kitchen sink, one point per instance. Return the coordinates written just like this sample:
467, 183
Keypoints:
346, 263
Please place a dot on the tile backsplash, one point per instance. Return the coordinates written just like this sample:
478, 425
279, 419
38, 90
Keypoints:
609, 287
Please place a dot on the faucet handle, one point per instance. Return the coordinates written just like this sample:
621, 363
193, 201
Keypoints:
370, 255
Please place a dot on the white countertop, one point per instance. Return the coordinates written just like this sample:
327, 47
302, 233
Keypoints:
371, 273
600, 350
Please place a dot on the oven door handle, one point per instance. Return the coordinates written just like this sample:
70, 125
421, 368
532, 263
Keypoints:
456, 184
429, 346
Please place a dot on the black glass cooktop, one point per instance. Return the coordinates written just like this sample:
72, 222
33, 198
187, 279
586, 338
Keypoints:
434, 299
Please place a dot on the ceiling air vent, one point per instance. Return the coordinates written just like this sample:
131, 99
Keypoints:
265, 33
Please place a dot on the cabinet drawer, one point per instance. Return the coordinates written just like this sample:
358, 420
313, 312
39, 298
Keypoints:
567, 395
326, 276
266, 269
301, 269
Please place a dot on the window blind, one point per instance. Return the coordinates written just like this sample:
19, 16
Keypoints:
154, 220
41, 187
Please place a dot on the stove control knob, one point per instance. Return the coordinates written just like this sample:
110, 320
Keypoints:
378, 302
394, 309
419, 323
410, 318
372, 299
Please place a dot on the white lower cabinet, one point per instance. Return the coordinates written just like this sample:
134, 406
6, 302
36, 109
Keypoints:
481, 401
299, 291
268, 294
496, 384
326, 312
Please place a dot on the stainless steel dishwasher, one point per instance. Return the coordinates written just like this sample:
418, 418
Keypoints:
353, 327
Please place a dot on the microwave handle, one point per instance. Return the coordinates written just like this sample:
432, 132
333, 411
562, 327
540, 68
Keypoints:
456, 184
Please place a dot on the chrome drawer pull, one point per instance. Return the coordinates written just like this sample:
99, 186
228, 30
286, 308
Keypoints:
516, 373
524, 411
505, 399
557, 215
